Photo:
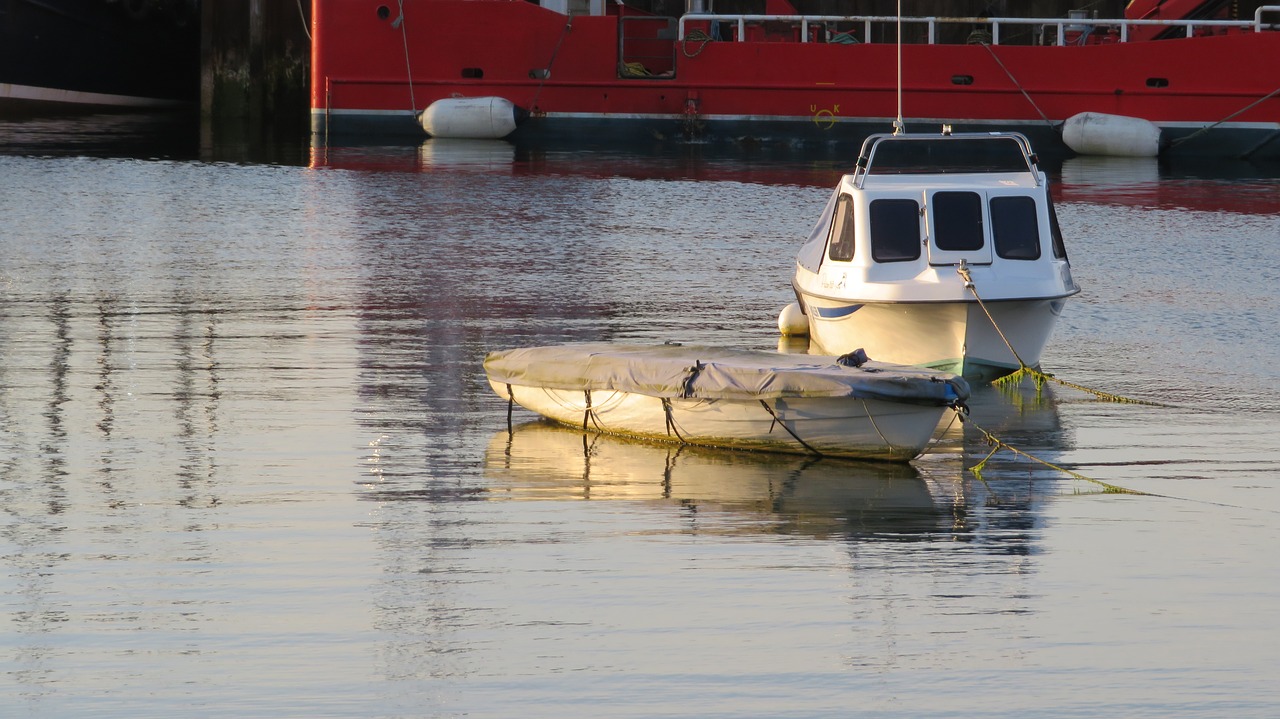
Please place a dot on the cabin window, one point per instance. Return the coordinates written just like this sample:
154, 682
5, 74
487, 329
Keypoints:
1055, 231
895, 230
957, 221
1014, 228
841, 240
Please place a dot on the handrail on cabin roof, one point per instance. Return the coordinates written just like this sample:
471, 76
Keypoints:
965, 154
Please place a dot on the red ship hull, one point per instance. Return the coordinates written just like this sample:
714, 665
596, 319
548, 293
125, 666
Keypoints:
1216, 95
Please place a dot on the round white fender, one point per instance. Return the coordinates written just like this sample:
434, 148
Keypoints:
471, 117
1095, 133
792, 321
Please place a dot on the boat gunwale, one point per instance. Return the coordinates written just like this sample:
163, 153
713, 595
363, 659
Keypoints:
969, 300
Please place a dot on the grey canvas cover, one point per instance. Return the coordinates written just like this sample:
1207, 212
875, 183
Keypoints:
692, 371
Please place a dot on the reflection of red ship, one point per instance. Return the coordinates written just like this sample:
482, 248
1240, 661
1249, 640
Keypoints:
1144, 182
637, 70
503, 157
1211, 186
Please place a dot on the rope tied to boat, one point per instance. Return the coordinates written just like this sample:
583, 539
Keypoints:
998, 444
635, 69
408, 67
695, 36
1107, 488
686, 391
1018, 85
587, 414
686, 387
671, 422
1241, 111
546, 72
302, 15
871, 418
778, 421
963, 271
511, 403
1023, 370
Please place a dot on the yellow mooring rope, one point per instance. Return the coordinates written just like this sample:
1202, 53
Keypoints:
1039, 376
1042, 377
998, 444
1107, 488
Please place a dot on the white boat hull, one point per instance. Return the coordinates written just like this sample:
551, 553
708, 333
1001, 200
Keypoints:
955, 337
831, 426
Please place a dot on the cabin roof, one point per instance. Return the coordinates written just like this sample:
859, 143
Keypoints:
956, 181
969, 153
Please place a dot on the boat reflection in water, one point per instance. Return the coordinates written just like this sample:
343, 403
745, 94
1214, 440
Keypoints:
754, 492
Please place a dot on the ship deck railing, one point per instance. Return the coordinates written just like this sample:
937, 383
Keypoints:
1071, 27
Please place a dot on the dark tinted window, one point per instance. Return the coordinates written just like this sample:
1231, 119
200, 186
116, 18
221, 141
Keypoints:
841, 242
957, 221
1059, 247
895, 230
1014, 228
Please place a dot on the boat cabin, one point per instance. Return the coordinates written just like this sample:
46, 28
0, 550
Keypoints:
917, 206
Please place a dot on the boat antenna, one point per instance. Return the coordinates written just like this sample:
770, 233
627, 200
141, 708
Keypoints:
898, 126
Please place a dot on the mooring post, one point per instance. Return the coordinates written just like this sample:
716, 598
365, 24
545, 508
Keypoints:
254, 71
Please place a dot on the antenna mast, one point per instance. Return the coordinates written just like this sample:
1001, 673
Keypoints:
898, 126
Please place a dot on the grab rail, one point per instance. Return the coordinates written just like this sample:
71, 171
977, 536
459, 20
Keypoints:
1061, 24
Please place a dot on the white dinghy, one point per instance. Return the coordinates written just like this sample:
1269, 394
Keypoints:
938, 250
830, 406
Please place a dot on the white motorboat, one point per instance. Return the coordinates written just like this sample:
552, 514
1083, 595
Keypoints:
938, 250
829, 406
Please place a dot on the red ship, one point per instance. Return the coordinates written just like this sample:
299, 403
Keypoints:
616, 71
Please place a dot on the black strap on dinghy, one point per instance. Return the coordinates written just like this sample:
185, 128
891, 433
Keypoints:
783, 425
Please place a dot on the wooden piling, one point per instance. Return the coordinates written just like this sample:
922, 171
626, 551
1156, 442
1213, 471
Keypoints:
254, 70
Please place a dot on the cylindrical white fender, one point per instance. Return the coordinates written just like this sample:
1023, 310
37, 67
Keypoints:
486, 118
1095, 133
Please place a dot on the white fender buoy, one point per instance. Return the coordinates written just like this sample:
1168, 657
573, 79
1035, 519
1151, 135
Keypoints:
1096, 133
792, 322
487, 118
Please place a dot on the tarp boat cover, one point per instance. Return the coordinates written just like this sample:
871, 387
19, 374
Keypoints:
699, 372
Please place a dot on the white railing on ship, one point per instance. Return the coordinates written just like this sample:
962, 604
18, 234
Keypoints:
1061, 24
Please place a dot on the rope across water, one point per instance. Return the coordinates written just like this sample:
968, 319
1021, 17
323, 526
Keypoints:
1025, 371
998, 444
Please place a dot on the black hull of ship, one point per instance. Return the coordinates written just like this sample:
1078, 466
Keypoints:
98, 55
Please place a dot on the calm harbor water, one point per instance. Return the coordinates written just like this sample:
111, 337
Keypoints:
249, 466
